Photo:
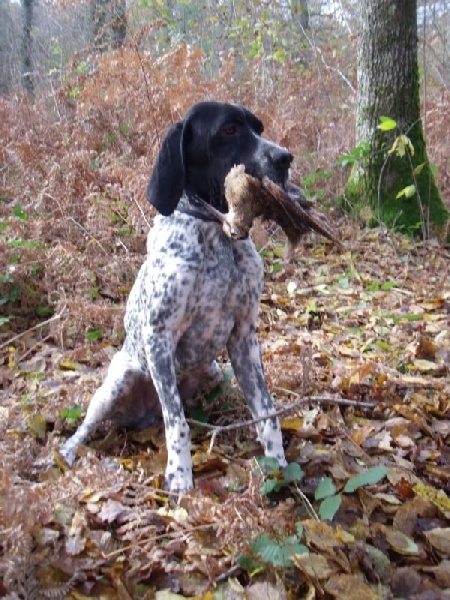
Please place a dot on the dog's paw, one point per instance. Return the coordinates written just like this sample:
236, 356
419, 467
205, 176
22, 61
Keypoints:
68, 451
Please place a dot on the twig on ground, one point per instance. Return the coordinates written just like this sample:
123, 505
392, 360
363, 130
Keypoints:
32, 349
166, 534
38, 326
216, 429
307, 503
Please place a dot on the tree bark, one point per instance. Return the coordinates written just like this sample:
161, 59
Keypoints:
27, 46
300, 12
109, 24
388, 85
7, 54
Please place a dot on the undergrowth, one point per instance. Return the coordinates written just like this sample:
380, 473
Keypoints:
73, 223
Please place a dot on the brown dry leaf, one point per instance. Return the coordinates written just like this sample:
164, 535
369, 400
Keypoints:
37, 425
361, 339
426, 348
398, 541
439, 538
204, 462
266, 591
315, 565
406, 516
349, 587
112, 510
441, 572
320, 535
405, 581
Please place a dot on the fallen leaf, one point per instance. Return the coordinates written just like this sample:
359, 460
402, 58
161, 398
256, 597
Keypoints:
398, 541
37, 425
441, 572
439, 538
349, 587
405, 581
315, 565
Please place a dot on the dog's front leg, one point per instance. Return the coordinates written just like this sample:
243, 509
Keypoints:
245, 356
159, 349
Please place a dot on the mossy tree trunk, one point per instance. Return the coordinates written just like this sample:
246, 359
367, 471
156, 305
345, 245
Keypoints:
388, 85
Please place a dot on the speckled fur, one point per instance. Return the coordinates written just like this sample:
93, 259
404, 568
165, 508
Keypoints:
197, 293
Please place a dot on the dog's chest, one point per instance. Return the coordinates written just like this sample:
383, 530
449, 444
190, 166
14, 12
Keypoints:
223, 291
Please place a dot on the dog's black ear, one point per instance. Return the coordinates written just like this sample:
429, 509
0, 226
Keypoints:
255, 123
167, 179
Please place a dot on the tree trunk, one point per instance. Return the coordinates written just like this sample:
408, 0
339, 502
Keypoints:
109, 25
6, 47
27, 46
300, 12
388, 85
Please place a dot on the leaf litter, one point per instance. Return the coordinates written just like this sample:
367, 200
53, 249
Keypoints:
107, 523
356, 348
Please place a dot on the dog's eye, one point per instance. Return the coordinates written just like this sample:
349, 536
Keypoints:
230, 129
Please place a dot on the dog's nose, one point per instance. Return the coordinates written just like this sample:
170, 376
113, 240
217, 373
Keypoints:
281, 157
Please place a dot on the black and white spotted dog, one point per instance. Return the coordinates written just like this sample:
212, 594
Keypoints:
197, 292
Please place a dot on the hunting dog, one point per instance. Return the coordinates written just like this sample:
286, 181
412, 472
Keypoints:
197, 292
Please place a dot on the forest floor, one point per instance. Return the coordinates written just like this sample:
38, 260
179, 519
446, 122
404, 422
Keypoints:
356, 349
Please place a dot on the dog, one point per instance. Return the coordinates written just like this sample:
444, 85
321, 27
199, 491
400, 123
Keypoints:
197, 293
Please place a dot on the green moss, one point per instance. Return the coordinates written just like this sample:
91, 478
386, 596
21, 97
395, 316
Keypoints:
376, 183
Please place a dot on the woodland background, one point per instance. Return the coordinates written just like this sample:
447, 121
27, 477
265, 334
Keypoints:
357, 340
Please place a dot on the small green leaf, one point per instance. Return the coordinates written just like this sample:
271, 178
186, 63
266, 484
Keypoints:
367, 477
94, 335
383, 345
277, 267
277, 553
292, 472
374, 286
407, 192
27, 244
44, 311
387, 124
269, 486
325, 488
329, 507
418, 170
18, 212
268, 464
198, 414
388, 285
245, 562
72, 414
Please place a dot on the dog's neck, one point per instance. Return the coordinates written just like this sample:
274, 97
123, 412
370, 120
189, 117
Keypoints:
188, 205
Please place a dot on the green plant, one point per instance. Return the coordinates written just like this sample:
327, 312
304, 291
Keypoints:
12, 290
94, 335
311, 179
275, 477
71, 415
356, 155
331, 501
274, 551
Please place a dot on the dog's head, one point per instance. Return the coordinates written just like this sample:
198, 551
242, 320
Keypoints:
199, 151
